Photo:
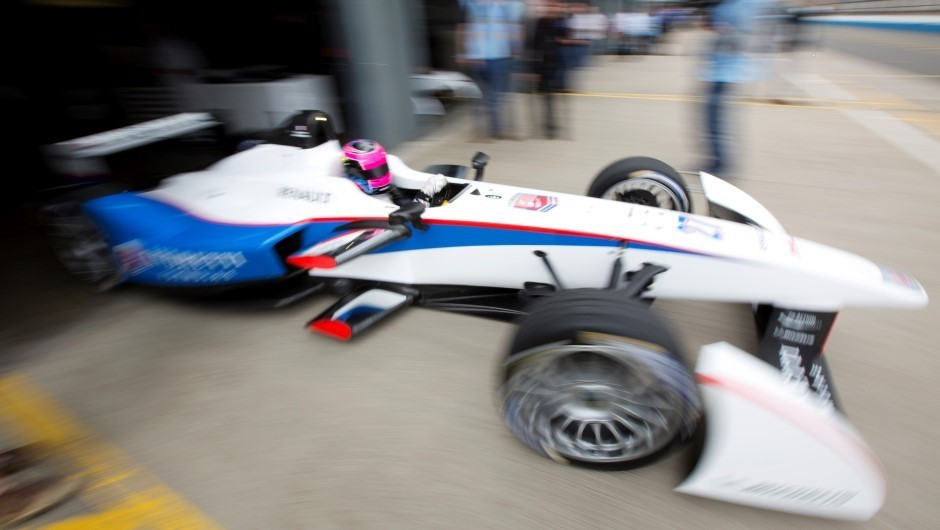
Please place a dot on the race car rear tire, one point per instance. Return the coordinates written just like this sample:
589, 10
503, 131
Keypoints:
642, 180
595, 379
76, 240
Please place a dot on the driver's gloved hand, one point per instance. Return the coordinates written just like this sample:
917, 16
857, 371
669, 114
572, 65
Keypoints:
431, 188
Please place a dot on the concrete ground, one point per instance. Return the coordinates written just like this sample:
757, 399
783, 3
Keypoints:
238, 416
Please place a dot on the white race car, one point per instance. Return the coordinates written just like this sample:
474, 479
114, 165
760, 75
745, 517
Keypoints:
592, 376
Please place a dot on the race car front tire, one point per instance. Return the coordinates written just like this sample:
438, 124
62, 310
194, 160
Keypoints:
642, 180
593, 378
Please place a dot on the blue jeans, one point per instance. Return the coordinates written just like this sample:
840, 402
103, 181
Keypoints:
493, 76
715, 134
581, 54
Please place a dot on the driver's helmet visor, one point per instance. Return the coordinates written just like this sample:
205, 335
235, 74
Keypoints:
372, 180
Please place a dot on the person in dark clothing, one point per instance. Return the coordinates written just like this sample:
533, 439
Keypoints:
550, 36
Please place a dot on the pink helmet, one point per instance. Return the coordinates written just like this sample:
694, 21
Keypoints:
366, 166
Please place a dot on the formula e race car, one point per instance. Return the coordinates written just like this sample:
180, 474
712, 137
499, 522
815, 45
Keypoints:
592, 376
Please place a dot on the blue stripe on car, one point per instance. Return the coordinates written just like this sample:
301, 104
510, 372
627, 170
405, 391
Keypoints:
182, 243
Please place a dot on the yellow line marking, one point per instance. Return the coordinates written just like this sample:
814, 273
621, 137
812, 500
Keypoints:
884, 75
919, 120
676, 97
837, 104
787, 105
843, 104
654, 97
127, 495
109, 480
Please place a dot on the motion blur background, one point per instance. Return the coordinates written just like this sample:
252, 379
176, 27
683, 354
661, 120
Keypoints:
73, 68
257, 425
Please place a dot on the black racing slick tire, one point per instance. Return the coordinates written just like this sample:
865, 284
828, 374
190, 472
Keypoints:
76, 240
595, 379
642, 180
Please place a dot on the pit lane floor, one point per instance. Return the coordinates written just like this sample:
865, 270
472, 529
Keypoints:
237, 417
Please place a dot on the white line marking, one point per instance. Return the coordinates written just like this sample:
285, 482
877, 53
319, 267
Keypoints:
819, 87
904, 136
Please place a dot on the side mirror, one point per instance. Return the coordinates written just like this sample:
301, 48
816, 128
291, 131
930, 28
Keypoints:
480, 160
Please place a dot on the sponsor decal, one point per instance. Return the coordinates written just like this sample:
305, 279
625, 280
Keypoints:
132, 257
536, 203
803, 494
189, 276
691, 225
194, 259
317, 197
791, 364
819, 383
494, 196
798, 321
797, 339
899, 278
176, 265
793, 250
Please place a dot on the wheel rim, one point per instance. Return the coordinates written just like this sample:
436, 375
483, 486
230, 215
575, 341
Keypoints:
598, 403
78, 244
649, 188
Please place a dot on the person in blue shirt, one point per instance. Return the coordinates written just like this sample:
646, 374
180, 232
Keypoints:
735, 25
489, 39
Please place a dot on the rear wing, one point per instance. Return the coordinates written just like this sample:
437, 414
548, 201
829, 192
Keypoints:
84, 156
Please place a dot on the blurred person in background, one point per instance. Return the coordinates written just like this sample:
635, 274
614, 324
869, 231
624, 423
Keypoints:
549, 37
637, 30
727, 64
489, 39
783, 42
666, 21
619, 29
28, 487
579, 26
597, 26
